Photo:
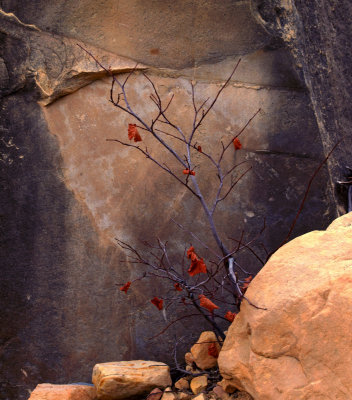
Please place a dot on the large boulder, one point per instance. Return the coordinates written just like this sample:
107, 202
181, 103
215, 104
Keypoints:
301, 346
47, 391
126, 379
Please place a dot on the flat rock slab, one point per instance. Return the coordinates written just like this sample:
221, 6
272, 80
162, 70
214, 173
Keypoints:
125, 379
48, 391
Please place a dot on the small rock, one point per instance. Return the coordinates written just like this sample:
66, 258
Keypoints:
155, 394
123, 379
201, 396
183, 396
169, 395
47, 391
220, 393
199, 383
182, 384
189, 359
200, 350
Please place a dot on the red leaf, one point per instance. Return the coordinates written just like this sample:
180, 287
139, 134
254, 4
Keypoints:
157, 302
237, 144
190, 251
188, 172
199, 148
230, 316
133, 133
184, 301
213, 350
125, 287
178, 287
206, 303
197, 266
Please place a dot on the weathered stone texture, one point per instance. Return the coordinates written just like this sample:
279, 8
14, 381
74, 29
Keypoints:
128, 379
47, 391
159, 32
319, 34
300, 346
66, 193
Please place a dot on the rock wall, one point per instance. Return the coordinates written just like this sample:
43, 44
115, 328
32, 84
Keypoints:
66, 193
318, 35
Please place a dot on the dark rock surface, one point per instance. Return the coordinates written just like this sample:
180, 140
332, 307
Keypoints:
319, 35
60, 311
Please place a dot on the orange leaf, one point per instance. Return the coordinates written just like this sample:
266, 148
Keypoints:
213, 350
237, 144
133, 133
230, 316
197, 266
125, 287
157, 302
188, 172
206, 303
190, 251
199, 148
178, 287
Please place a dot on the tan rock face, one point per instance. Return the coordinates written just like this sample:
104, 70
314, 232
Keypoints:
165, 33
182, 384
47, 391
301, 346
200, 350
199, 383
201, 396
183, 396
169, 396
118, 380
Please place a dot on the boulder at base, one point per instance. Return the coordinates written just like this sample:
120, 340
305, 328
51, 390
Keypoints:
125, 379
47, 391
301, 346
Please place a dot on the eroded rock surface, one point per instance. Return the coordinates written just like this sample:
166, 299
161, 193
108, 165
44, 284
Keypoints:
47, 391
300, 347
124, 379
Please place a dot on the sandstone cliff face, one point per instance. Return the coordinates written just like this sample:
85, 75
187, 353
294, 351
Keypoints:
300, 346
67, 194
318, 36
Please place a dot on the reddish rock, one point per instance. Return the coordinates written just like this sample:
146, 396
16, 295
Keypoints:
48, 391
